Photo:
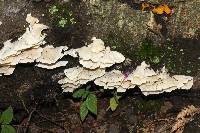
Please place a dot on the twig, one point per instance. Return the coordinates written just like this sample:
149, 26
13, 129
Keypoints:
28, 121
31, 114
51, 121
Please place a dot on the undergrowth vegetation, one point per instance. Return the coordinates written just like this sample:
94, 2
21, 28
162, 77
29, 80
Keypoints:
61, 16
146, 51
5, 120
88, 99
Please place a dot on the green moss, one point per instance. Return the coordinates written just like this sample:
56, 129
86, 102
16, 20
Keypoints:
149, 105
149, 52
157, 55
119, 43
61, 15
176, 61
169, 54
53, 10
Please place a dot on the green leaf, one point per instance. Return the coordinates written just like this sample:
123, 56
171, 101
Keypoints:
7, 129
85, 94
91, 103
78, 93
83, 111
114, 102
7, 116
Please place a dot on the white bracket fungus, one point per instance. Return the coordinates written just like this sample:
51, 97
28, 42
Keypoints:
31, 20
96, 55
149, 81
77, 76
31, 38
25, 49
95, 58
51, 55
28, 49
114, 79
142, 74
29, 55
6, 70
52, 66
71, 52
159, 82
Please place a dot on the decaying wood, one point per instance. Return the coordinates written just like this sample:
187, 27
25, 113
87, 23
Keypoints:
183, 118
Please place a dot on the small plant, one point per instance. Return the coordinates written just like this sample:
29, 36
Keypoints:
114, 102
5, 120
88, 101
119, 43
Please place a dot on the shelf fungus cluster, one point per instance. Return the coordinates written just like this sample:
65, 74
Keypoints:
114, 79
96, 55
149, 81
27, 49
77, 76
94, 58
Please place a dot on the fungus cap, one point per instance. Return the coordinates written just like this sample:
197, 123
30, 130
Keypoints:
114, 79
96, 55
77, 76
50, 54
52, 66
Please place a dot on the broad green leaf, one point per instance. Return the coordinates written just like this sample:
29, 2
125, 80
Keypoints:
7, 129
78, 93
113, 104
7, 116
91, 103
83, 111
85, 94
